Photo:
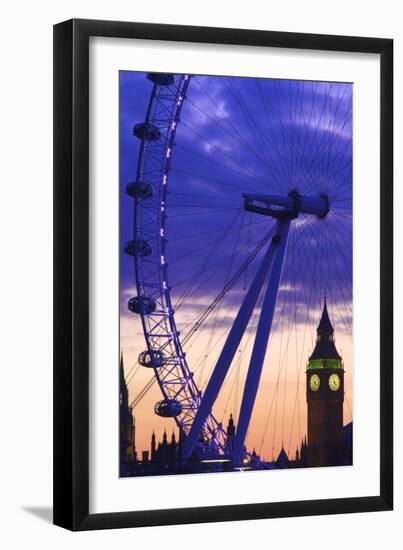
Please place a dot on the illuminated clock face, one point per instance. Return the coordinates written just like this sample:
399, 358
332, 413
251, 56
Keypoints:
314, 382
334, 382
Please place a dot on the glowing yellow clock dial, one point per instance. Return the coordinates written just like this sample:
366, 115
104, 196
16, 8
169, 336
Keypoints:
314, 382
334, 382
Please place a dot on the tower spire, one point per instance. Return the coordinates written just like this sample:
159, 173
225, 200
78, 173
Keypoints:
121, 364
231, 427
325, 347
325, 326
153, 445
124, 394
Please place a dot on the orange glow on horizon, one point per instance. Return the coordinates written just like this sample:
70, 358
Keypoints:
279, 417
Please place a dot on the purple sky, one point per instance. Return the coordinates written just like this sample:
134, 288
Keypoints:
241, 135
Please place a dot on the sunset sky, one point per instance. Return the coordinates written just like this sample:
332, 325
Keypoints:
247, 135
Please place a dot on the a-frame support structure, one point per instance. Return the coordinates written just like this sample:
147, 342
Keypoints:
284, 209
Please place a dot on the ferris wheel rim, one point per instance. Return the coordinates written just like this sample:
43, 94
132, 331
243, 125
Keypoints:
214, 432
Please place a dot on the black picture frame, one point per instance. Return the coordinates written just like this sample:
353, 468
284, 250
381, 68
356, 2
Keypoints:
71, 274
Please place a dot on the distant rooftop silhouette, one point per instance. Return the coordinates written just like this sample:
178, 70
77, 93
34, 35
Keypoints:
282, 459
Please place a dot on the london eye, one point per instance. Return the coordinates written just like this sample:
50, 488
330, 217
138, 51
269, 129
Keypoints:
241, 215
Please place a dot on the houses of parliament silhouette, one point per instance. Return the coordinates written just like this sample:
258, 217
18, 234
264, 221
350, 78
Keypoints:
328, 441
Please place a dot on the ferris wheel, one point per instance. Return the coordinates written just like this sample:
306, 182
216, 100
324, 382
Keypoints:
237, 234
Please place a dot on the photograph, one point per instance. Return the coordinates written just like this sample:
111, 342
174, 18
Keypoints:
201, 266
235, 274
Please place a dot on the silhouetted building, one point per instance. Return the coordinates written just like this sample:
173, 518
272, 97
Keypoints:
166, 452
230, 434
348, 444
282, 460
153, 446
164, 457
325, 396
145, 457
127, 426
303, 455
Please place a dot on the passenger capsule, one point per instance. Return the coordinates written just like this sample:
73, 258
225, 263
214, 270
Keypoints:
162, 79
141, 304
168, 408
147, 131
151, 359
138, 248
139, 189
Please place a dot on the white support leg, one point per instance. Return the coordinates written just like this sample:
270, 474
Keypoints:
260, 346
231, 345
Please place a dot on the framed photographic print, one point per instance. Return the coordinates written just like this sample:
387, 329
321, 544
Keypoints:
223, 274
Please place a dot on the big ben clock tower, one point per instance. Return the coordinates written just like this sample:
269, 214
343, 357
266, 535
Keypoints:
325, 396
